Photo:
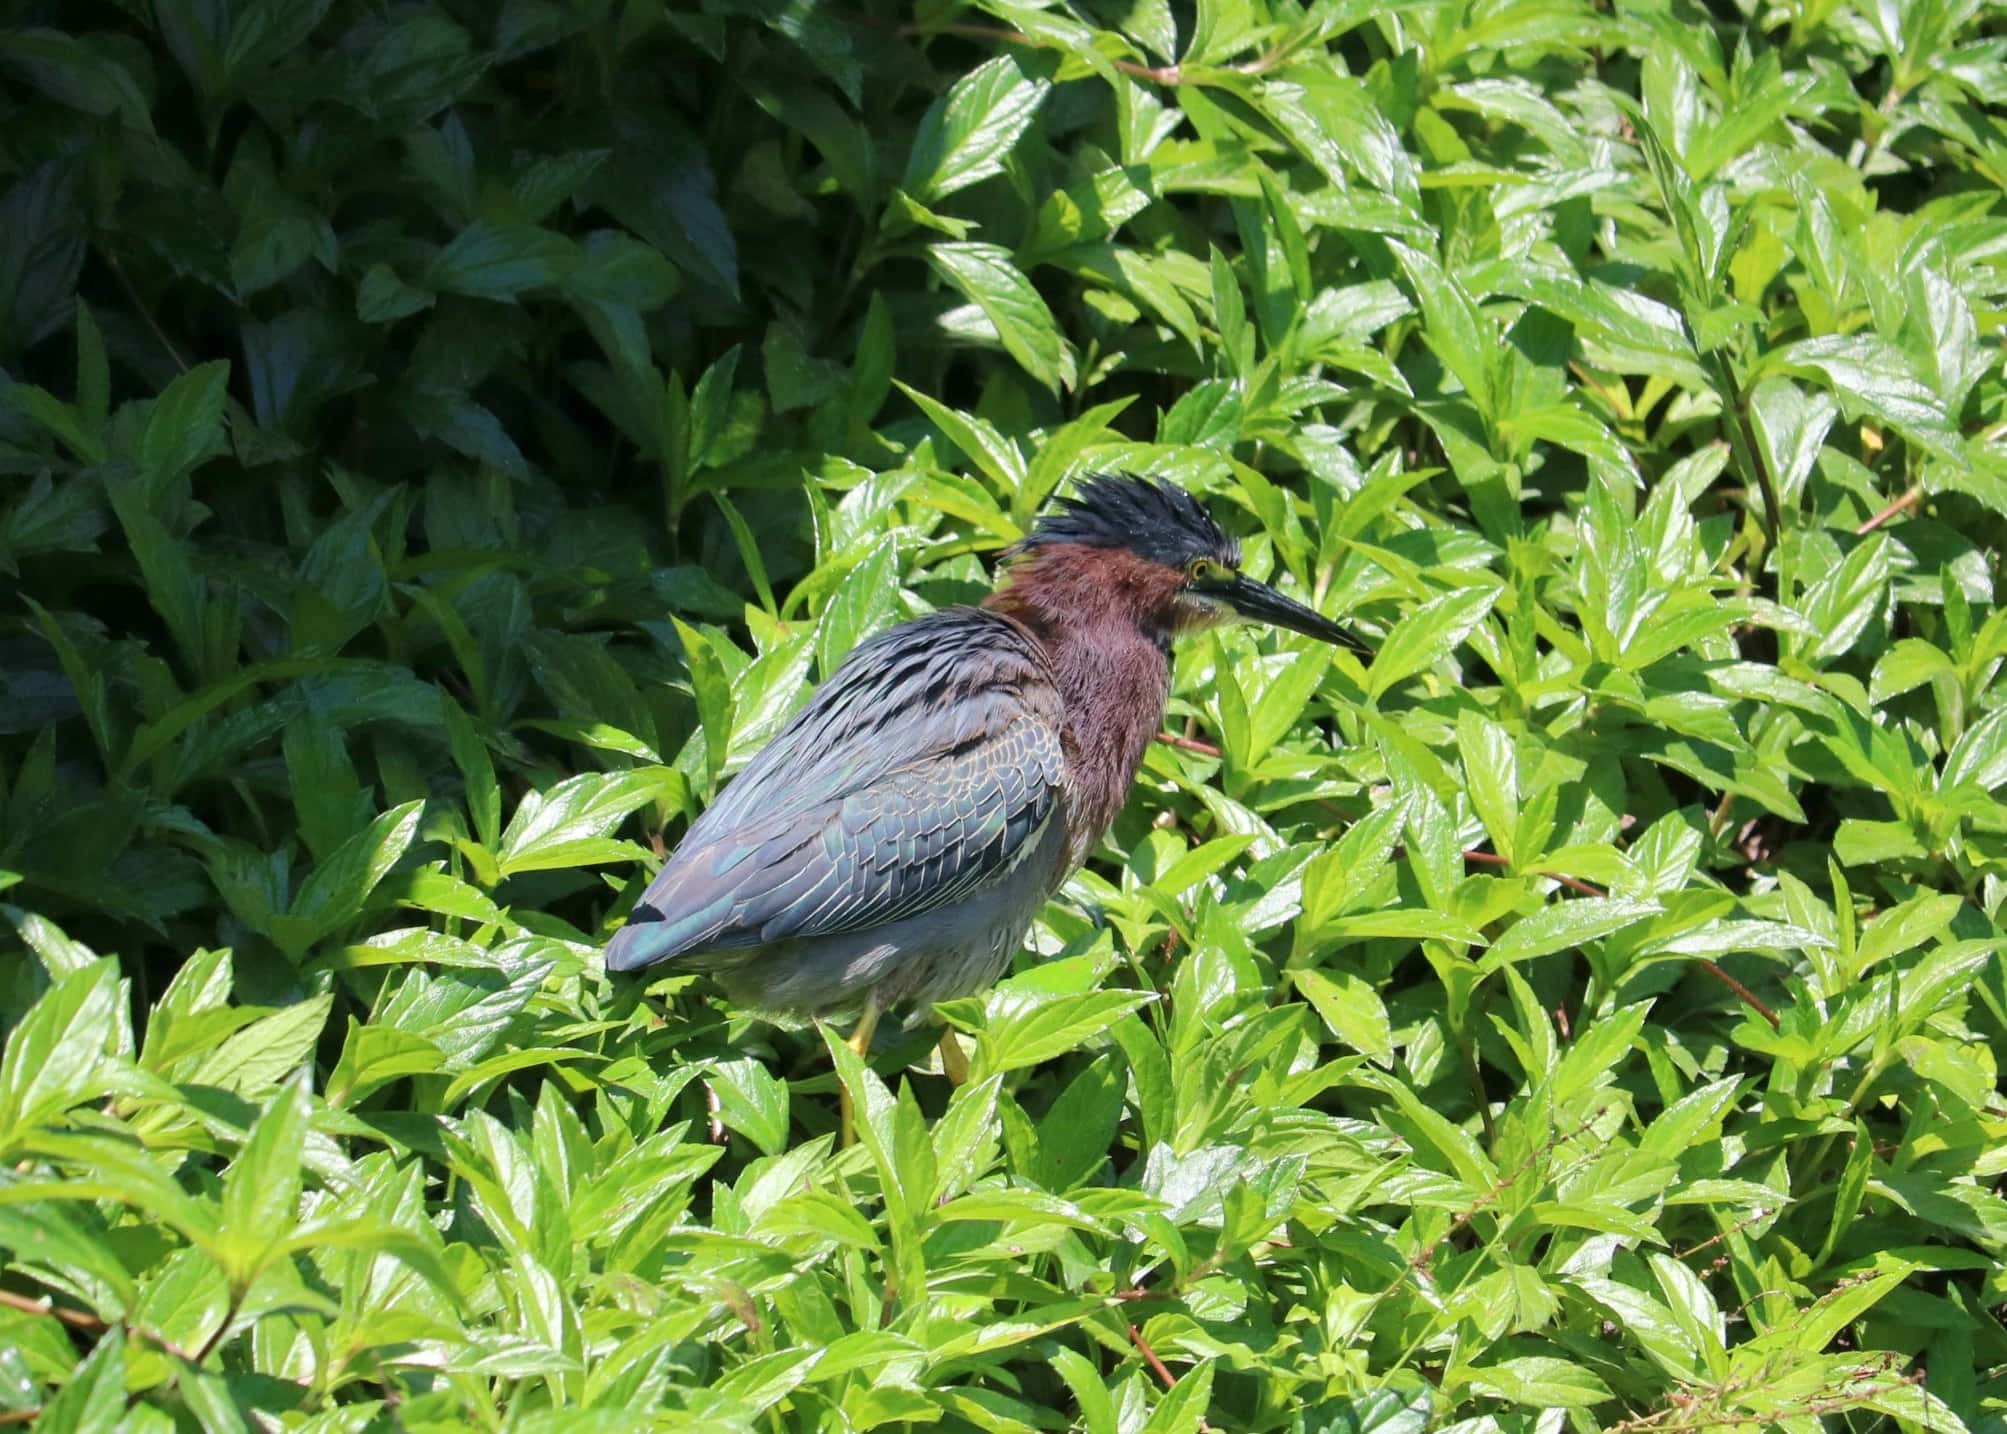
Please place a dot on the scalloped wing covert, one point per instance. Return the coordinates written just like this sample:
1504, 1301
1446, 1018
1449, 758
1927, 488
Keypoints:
926, 768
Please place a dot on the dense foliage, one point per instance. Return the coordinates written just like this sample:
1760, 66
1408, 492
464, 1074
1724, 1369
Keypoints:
439, 441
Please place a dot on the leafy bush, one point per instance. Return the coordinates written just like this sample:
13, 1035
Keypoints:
439, 442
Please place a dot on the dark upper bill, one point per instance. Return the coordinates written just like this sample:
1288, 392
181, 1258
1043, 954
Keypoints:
1262, 603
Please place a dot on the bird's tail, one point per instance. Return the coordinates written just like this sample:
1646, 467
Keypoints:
648, 939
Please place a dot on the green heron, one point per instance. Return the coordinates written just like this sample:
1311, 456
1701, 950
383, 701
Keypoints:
893, 843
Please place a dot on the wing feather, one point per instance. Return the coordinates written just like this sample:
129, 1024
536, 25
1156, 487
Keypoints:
927, 766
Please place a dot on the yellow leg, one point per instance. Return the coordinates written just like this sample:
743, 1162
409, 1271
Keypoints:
860, 1043
954, 1060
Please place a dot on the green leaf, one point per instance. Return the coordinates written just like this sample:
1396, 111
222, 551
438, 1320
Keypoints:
373, 1056
1207, 416
1230, 315
340, 886
1456, 331
1842, 603
1539, 1382
184, 427
49, 1238
1566, 925
752, 1101
1490, 768
383, 298
1412, 923
568, 824
1666, 1339
967, 134
323, 781
1874, 379
56, 1057
979, 442
72, 71
1847, 1303
1852, 1187
1427, 635
261, 1189
1790, 425
1909, 664
984, 274
93, 1398
795, 378
1904, 927
1351, 1009
1979, 757
1020, 1029
1860, 842
477, 773
501, 261
1400, 1410
713, 691
250, 1061
1183, 1408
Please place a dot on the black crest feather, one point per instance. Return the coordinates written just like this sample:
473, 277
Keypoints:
1157, 521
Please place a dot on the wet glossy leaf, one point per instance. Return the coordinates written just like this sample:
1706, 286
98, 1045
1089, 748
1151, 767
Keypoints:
984, 274
56, 1057
440, 447
966, 134
572, 820
1426, 635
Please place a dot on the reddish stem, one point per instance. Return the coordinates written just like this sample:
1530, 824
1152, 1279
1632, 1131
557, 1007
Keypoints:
87, 1322
1155, 74
1157, 1366
1583, 888
1908, 500
1574, 884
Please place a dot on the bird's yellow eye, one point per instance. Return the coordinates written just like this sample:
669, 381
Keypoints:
1205, 570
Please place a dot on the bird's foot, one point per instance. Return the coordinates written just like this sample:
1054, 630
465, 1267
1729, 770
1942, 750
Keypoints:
860, 1045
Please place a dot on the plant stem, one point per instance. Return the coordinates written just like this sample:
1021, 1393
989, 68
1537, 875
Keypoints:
1902, 504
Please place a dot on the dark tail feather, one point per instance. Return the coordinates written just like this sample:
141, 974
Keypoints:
648, 940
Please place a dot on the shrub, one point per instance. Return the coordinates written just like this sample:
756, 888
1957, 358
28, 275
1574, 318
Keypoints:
440, 442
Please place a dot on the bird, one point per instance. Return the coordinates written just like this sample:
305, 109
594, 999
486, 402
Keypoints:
893, 842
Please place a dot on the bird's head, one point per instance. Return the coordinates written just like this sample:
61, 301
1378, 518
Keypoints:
1157, 550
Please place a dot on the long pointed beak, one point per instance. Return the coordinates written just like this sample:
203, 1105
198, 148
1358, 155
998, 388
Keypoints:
1259, 602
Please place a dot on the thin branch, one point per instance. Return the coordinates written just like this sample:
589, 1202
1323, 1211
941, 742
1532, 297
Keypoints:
1583, 888
1157, 1366
1155, 74
1420, 1262
1130, 1296
1574, 884
1423, 1259
75, 1319
1747, 996
1762, 1213
1902, 504
1171, 75
131, 292
1861, 154
217, 1336
88, 1323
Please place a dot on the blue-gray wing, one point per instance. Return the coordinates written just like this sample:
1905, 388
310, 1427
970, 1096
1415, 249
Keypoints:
926, 767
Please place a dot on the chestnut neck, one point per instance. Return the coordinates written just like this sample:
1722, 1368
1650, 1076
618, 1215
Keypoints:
1102, 615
